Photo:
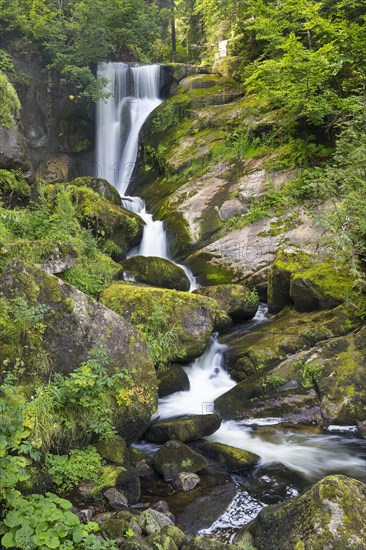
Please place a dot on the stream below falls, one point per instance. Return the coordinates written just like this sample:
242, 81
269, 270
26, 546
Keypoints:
292, 456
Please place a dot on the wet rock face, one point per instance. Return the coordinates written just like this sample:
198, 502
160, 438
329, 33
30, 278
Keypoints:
75, 325
329, 515
175, 457
14, 151
183, 429
156, 272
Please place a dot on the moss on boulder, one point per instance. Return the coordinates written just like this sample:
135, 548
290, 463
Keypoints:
183, 429
287, 263
67, 325
329, 515
175, 457
113, 450
322, 286
231, 458
156, 271
185, 320
100, 186
237, 300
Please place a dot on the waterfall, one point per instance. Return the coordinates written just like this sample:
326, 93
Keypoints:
134, 95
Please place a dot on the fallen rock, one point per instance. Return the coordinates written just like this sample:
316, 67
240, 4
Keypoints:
175, 457
329, 515
236, 300
186, 481
183, 429
231, 458
156, 272
115, 498
172, 380
151, 521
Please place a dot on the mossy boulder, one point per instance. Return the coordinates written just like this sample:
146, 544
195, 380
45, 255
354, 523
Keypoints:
160, 540
115, 528
74, 324
100, 186
52, 256
175, 457
237, 300
105, 219
322, 286
113, 450
231, 458
185, 320
183, 429
156, 271
321, 380
175, 534
172, 380
151, 521
329, 515
206, 543
287, 263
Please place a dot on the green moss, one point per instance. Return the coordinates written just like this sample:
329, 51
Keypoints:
210, 271
331, 280
13, 187
108, 478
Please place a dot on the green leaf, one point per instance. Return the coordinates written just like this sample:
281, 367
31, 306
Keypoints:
8, 540
13, 519
52, 542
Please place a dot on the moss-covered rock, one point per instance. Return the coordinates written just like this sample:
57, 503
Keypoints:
322, 286
151, 521
329, 515
175, 457
160, 540
50, 255
105, 219
175, 534
172, 380
287, 263
185, 320
100, 186
113, 450
67, 325
115, 528
156, 271
231, 458
183, 429
237, 300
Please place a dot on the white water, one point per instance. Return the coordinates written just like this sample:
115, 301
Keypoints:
310, 456
135, 94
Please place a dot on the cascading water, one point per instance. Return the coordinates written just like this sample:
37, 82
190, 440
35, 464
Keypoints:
134, 95
309, 456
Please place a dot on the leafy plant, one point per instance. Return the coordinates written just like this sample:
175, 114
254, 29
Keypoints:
69, 470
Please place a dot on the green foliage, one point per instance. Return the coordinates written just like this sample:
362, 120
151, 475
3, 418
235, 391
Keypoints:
272, 381
45, 522
9, 102
310, 373
13, 184
69, 470
6, 63
73, 410
162, 341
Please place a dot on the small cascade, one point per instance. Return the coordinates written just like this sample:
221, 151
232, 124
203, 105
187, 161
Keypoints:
135, 94
310, 456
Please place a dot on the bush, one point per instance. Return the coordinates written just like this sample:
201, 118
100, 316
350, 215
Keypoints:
9, 101
69, 470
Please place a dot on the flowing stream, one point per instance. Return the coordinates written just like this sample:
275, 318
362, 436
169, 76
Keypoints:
135, 93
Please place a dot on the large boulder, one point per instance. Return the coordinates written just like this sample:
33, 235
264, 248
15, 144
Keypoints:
100, 186
237, 300
175, 457
74, 324
185, 320
329, 515
322, 286
172, 380
231, 458
14, 152
156, 271
105, 219
183, 429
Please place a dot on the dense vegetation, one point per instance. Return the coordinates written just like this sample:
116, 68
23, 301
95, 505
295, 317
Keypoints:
301, 64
